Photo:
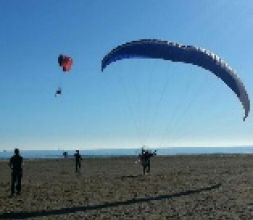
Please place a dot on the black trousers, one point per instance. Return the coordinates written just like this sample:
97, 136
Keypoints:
16, 182
78, 165
146, 167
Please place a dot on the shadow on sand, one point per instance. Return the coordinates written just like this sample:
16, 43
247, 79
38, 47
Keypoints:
24, 215
131, 176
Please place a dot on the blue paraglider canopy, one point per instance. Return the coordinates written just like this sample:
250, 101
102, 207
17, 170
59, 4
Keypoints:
157, 49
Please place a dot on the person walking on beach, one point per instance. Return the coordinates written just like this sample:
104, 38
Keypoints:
78, 159
16, 164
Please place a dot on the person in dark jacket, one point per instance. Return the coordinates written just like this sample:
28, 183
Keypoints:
16, 164
78, 160
144, 158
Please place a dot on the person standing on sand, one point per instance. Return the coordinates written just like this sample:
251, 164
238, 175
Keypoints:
78, 160
145, 157
16, 164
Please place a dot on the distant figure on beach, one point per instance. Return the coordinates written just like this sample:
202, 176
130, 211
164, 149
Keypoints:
16, 164
65, 154
144, 158
78, 160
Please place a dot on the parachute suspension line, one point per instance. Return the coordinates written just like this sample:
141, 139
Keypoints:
174, 115
218, 107
147, 101
189, 132
160, 100
177, 132
137, 105
129, 106
146, 115
191, 100
176, 122
213, 94
60, 80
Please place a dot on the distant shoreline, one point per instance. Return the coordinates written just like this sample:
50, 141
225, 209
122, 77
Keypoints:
101, 157
133, 152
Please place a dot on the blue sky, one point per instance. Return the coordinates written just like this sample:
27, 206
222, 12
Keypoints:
133, 102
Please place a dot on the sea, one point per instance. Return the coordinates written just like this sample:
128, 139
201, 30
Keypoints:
57, 154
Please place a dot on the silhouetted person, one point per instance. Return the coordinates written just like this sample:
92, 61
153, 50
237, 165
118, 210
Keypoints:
145, 160
78, 160
16, 164
58, 92
65, 154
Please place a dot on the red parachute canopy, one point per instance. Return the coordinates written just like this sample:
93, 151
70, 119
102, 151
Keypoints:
65, 62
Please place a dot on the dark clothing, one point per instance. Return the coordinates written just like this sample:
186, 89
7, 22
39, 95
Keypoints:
16, 162
145, 157
58, 92
78, 161
16, 180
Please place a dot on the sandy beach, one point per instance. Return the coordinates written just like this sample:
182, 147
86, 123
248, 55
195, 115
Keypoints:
179, 187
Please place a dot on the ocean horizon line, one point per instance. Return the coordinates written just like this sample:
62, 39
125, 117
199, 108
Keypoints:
114, 152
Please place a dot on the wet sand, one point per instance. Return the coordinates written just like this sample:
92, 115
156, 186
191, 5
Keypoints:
179, 187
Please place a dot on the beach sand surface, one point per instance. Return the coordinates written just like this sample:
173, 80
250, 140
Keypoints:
178, 187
